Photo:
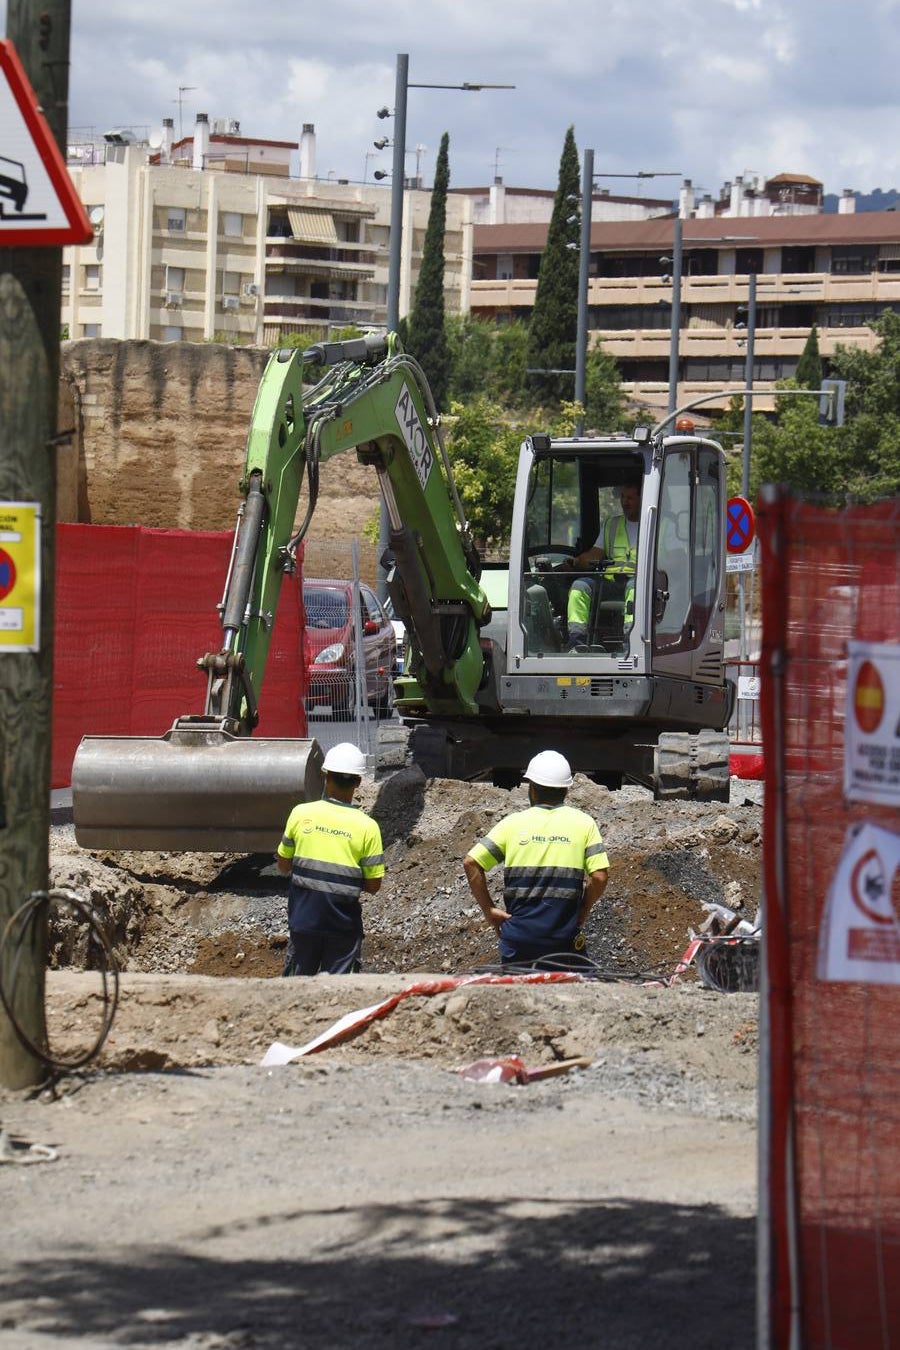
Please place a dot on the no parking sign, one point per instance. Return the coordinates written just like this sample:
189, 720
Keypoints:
20, 576
740, 525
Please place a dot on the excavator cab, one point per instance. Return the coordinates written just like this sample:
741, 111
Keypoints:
581, 504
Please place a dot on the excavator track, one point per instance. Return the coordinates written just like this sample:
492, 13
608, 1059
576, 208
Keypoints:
692, 767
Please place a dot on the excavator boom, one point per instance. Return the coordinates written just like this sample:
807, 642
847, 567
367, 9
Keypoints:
208, 783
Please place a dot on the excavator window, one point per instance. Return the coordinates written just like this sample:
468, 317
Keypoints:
569, 499
688, 546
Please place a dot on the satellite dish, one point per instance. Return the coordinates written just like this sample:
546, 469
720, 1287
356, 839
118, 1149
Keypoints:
95, 216
156, 140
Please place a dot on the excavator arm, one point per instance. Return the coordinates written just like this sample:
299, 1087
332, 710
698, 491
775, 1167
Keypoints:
377, 401
207, 783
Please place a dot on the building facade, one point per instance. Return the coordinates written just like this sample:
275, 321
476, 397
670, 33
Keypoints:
838, 272
211, 238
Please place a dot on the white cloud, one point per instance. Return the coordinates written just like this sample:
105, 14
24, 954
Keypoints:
702, 86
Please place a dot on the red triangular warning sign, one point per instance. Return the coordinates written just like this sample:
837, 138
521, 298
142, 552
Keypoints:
38, 202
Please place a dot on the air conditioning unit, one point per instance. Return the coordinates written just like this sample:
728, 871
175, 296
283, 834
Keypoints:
230, 302
173, 298
250, 289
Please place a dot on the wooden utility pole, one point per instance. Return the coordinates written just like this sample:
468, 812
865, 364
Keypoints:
30, 287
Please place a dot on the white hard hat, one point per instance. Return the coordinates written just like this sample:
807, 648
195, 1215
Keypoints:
345, 758
550, 769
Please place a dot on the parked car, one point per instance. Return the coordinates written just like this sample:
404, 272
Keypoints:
330, 647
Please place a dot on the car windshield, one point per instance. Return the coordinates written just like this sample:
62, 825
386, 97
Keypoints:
324, 608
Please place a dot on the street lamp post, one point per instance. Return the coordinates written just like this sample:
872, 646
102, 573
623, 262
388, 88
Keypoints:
584, 259
748, 384
402, 84
674, 342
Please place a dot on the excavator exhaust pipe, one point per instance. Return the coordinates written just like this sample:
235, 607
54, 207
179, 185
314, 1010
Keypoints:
195, 789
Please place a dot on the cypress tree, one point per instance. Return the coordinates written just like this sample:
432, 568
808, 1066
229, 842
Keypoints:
809, 368
426, 337
554, 319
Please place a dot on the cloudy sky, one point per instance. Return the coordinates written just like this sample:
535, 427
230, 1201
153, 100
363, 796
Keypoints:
708, 89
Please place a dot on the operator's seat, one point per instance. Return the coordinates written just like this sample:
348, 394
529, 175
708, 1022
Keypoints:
540, 626
608, 605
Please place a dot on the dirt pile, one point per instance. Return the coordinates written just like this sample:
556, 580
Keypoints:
216, 914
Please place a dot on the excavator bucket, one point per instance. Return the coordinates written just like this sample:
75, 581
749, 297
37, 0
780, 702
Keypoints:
195, 789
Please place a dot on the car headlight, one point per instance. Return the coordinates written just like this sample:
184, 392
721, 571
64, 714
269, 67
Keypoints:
330, 656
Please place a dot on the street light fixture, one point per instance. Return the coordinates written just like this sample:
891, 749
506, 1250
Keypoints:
394, 258
403, 83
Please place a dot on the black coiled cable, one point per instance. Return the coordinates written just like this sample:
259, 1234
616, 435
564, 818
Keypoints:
15, 934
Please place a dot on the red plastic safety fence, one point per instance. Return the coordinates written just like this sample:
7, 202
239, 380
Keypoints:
135, 608
830, 1089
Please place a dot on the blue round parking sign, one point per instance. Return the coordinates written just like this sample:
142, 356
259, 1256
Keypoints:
7, 574
740, 525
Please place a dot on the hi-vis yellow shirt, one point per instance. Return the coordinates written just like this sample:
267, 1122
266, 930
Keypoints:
546, 851
334, 847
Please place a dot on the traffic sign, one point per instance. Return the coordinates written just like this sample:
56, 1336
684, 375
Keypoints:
20, 577
38, 201
872, 723
740, 525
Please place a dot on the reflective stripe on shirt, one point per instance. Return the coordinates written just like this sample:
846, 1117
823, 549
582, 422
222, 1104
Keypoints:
333, 847
546, 851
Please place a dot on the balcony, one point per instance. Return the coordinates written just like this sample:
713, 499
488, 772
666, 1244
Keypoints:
816, 288
293, 254
308, 310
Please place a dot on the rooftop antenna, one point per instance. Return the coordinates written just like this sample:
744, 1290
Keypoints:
182, 90
501, 150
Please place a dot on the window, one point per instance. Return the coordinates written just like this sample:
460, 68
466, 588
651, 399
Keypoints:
172, 332
231, 283
176, 217
688, 540
619, 318
232, 224
800, 258
92, 277
747, 260
853, 259
91, 330
175, 279
66, 276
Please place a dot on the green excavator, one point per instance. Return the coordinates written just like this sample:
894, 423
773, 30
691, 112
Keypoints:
640, 696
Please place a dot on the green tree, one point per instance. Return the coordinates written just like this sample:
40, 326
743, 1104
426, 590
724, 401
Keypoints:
808, 374
873, 378
604, 401
554, 319
470, 342
484, 449
426, 337
507, 380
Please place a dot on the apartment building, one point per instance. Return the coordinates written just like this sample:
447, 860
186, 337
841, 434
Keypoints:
838, 271
211, 237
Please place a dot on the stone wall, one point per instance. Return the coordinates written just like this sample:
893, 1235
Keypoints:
158, 438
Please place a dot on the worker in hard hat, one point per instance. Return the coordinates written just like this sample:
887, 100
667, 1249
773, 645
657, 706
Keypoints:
555, 871
333, 853
615, 548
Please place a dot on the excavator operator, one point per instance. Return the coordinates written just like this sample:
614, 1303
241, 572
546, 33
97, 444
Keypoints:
616, 545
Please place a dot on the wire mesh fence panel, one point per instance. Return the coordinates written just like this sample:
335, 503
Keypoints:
349, 651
